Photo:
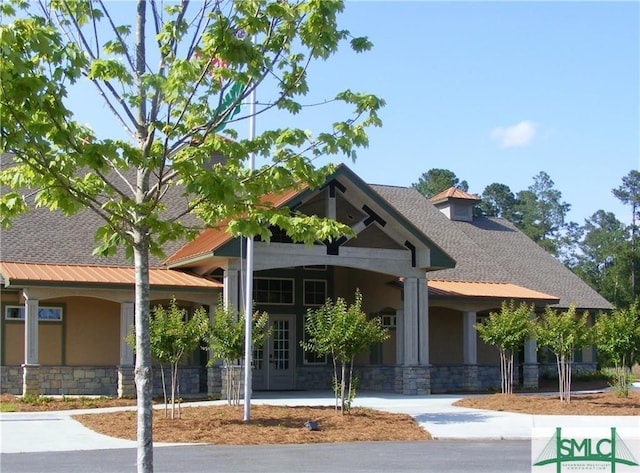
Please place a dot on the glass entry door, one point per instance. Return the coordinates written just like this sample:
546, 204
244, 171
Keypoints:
274, 364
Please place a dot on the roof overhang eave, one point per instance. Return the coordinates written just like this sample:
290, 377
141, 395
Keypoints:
499, 299
23, 283
190, 261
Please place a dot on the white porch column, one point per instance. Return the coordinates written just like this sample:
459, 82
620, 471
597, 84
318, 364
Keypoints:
470, 373
126, 381
469, 338
214, 371
31, 367
423, 321
231, 289
410, 325
126, 325
530, 351
530, 370
31, 331
400, 336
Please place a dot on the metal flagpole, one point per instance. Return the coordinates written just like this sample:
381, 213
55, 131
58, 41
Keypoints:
248, 304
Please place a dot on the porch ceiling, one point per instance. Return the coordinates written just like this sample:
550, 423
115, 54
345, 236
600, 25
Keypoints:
502, 290
13, 273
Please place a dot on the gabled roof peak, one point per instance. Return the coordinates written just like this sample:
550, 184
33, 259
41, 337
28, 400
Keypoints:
453, 193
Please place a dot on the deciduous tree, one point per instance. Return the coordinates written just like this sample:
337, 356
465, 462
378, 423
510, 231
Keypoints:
617, 336
173, 77
342, 332
507, 330
174, 334
563, 332
227, 342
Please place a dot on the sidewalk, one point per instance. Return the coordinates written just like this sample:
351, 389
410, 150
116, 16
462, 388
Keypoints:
57, 431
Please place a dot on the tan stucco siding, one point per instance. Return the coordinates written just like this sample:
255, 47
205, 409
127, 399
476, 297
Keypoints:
445, 336
93, 332
49, 343
13, 339
389, 348
50, 334
377, 294
50, 340
487, 354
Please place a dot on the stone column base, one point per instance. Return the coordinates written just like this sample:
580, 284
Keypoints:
30, 380
470, 380
237, 373
126, 382
530, 376
214, 382
416, 380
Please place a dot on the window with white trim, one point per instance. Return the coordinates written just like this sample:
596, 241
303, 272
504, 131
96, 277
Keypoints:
47, 314
315, 292
273, 291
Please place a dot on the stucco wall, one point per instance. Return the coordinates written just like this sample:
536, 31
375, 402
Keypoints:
50, 336
377, 294
376, 291
487, 354
445, 336
93, 332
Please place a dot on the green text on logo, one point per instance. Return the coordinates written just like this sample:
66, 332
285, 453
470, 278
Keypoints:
610, 450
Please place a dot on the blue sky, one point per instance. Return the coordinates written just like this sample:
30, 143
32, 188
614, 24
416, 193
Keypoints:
497, 92
493, 91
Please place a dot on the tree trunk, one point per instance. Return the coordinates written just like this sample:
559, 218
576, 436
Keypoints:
503, 372
143, 375
560, 378
174, 382
342, 386
335, 381
164, 391
510, 368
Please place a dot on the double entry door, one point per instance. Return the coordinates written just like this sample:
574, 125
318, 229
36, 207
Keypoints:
274, 362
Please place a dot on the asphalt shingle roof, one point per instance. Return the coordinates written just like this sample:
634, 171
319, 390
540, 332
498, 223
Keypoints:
486, 250
492, 250
44, 236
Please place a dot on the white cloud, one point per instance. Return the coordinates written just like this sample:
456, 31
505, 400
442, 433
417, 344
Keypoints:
514, 136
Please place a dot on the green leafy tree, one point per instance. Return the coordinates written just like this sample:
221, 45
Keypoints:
435, 181
174, 335
540, 213
226, 340
629, 193
563, 333
342, 332
173, 77
602, 259
507, 330
497, 201
617, 336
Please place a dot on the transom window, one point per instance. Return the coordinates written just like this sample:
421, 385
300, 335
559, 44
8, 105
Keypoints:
388, 317
315, 292
273, 291
17, 312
